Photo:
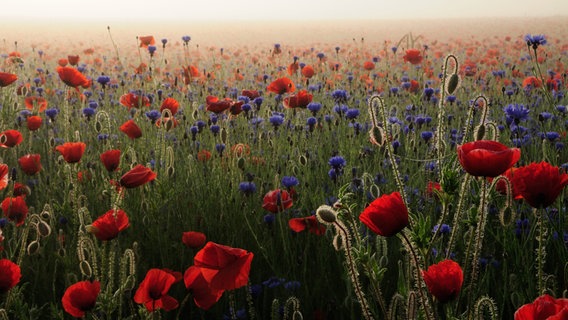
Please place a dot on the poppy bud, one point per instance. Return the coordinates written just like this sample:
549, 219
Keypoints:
326, 214
452, 83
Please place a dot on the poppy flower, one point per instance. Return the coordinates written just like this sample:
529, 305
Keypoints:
73, 77
62, 62
299, 100
189, 73
72, 151
34, 122
203, 155
7, 79
292, 68
281, 86
32, 102
531, 82
308, 71
368, 65
414, 56
251, 94
311, 223
21, 190
73, 59
108, 226
4, 176
146, 41
10, 138
223, 267
386, 215
487, 158
137, 176
81, 297
171, 104
111, 159
10, 275
236, 108
544, 307
132, 100
432, 187
539, 183
203, 295
153, 291
193, 239
30, 164
217, 106
15, 209
277, 200
131, 129
444, 280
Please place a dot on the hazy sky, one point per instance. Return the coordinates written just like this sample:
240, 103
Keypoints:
207, 10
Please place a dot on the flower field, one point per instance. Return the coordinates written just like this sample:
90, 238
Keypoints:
173, 177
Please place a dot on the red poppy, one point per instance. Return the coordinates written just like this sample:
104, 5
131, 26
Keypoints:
236, 108
502, 188
487, 158
308, 71
137, 176
109, 225
4, 176
277, 200
21, 190
223, 267
31, 102
10, 275
10, 138
432, 188
203, 295
539, 183
171, 104
62, 62
30, 164
292, 68
153, 291
368, 65
73, 59
299, 100
72, 151
15, 209
132, 100
217, 106
544, 307
189, 73
131, 129
414, 56
311, 223
146, 41
444, 280
7, 79
34, 122
111, 159
251, 94
203, 155
73, 77
81, 297
532, 82
193, 239
281, 86
386, 215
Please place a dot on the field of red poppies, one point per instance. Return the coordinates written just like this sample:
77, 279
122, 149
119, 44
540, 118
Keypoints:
411, 177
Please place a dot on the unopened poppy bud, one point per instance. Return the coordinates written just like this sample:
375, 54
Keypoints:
33, 247
452, 83
326, 214
376, 136
480, 132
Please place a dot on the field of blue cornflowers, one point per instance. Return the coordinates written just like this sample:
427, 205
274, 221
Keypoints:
405, 179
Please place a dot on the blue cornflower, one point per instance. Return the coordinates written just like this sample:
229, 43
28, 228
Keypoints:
314, 107
194, 130
311, 121
269, 218
102, 136
153, 115
186, 39
561, 109
445, 229
337, 162
516, 113
289, 181
3, 222
273, 282
246, 107
522, 227
276, 120
292, 285
340, 109
427, 135
247, 187
89, 112
451, 99
535, 40
220, 147
258, 101
339, 95
200, 125
552, 136
543, 116
394, 90
51, 113
215, 129
352, 113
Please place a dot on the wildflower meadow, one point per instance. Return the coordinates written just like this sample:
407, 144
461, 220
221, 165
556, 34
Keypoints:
414, 177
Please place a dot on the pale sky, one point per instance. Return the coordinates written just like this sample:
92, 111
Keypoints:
208, 10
